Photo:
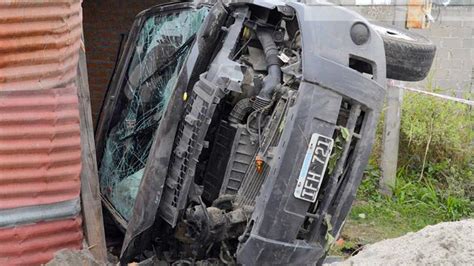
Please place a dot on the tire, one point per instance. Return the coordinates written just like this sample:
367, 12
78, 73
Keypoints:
409, 55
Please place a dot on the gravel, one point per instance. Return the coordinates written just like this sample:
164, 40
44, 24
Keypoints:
450, 243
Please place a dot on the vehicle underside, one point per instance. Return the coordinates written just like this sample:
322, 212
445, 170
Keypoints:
239, 133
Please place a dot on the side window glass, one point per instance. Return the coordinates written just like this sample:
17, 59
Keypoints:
160, 50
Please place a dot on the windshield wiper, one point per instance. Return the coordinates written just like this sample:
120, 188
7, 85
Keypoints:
168, 62
171, 59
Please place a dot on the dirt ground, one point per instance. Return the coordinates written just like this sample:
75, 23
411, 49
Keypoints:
448, 243
73, 257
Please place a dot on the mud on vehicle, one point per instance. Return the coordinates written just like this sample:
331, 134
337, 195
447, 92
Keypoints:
239, 132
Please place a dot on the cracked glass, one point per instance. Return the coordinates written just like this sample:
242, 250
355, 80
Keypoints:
159, 53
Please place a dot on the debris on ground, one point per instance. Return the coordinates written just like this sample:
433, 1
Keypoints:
447, 243
73, 257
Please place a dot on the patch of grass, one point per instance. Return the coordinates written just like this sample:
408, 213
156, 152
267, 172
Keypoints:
414, 205
434, 129
436, 146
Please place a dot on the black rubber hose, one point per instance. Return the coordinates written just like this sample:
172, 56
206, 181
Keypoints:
241, 110
273, 64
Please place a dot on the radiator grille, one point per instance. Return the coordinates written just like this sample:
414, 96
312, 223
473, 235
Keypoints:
253, 180
188, 145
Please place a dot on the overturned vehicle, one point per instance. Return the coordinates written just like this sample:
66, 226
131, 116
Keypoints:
238, 133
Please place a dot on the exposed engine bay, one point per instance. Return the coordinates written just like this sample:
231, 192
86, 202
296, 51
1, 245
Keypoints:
234, 118
246, 144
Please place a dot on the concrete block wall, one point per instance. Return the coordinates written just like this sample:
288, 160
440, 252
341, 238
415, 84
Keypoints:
453, 33
104, 22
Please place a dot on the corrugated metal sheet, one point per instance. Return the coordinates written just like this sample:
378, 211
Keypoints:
39, 41
39, 118
36, 244
40, 151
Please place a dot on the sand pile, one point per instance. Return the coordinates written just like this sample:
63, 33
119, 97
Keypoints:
449, 243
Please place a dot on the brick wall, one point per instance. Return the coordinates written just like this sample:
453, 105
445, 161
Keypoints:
104, 22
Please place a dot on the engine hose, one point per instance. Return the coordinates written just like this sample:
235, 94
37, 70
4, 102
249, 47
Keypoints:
241, 110
273, 65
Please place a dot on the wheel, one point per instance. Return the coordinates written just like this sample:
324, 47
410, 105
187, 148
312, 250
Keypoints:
409, 55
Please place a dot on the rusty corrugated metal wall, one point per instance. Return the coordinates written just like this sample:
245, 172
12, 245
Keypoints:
40, 152
35, 244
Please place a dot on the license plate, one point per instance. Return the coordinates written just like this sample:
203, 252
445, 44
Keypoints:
313, 169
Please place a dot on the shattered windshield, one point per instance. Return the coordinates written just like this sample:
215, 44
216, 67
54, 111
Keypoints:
160, 51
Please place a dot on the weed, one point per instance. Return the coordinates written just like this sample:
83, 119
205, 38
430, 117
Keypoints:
435, 134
